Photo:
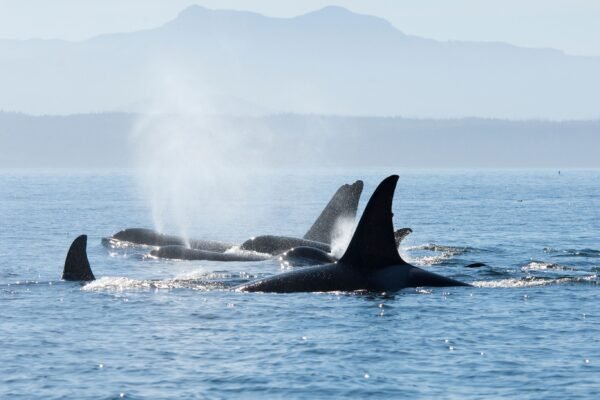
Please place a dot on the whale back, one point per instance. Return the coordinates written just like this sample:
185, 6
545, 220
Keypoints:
77, 265
373, 244
343, 205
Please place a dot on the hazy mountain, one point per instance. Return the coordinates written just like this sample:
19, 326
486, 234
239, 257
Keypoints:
330, 61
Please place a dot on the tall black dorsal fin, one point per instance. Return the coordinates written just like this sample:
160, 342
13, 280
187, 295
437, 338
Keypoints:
77, 266
373, 244
343, 204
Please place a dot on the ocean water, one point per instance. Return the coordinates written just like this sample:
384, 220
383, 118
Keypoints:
147, 328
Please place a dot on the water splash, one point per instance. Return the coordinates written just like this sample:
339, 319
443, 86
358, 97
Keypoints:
193, 281
534, 281
342, 234
543, 266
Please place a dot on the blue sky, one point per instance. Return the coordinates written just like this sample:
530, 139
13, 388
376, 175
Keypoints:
568, 25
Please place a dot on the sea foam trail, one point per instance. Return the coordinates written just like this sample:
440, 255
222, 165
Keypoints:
414, 254
193, 281
530, 281
588, 253
542, 266
454, 250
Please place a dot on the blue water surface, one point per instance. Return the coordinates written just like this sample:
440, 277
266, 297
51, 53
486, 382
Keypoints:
147, 328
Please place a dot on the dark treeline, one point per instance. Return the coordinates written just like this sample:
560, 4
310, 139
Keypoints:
105, 141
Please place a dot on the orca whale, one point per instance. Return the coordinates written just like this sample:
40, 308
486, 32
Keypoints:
275, 245
291, 252
371, 261
335, 276
149, 237
343, 205
303, 256
185, 253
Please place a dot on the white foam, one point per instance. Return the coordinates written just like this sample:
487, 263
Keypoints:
445, 253
116, 284
113, 243
187, 281
237, 250
511, 283
432, 260
517, 283
540, 266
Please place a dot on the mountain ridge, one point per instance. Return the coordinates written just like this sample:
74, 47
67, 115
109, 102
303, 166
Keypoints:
329, 61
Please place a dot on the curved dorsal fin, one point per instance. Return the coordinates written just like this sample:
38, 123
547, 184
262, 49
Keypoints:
373, 244
400, 234
343, 204
77, 266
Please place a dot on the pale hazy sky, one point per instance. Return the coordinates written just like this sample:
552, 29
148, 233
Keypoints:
569, 25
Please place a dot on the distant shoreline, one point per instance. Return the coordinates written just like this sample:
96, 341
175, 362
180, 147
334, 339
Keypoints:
293, 141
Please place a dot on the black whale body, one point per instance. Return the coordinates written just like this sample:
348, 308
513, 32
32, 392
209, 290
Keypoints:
303, 256
343, 205
292, 252
185, 253
275, 245
371, 261
149, 237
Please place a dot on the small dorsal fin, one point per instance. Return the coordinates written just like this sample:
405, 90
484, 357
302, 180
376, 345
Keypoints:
342, 205
373, 244
400, 234
77, 266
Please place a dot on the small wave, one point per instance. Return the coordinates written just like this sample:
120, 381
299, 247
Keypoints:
194, 281
432, 260
127, 255
113, 243
590, 253
533, 281
446, 253
116, 284
541, 266
453, 250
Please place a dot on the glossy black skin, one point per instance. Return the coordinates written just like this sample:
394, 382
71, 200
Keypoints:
185, 253
149, 237
307, 253
77, 267
342, 206
297, 257
304, 256
400, 234
347, 278
476, 265
276, 245
279, 244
